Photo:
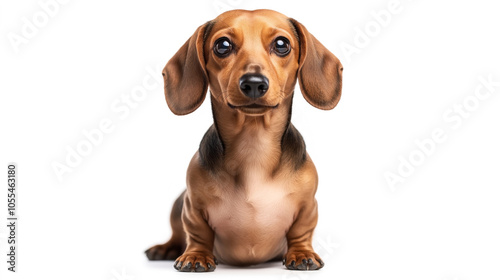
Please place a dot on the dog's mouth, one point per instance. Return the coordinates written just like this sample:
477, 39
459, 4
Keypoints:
253, 108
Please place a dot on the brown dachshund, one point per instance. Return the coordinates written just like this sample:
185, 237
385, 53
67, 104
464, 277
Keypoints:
251, 185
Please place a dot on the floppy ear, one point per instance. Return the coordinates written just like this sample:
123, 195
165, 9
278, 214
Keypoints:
185, 78
320, 72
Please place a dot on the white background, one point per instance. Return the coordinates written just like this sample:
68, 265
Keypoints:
442, 222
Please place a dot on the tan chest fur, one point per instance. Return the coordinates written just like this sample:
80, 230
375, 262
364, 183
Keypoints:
256, 208
250, 224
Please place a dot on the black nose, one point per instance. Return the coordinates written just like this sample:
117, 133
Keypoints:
254, 85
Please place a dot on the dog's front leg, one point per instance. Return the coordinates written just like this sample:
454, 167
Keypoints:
300, 253
198, 256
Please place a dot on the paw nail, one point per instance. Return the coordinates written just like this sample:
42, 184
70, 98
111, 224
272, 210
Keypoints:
303, 265
198, 267
210, 267
187, 267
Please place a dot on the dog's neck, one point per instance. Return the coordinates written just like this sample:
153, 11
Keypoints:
252, 145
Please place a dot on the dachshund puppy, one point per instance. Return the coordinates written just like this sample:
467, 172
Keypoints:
251, 185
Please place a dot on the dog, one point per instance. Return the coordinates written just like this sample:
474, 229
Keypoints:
251, 185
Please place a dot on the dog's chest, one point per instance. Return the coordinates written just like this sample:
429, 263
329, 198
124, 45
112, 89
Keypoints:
253, 219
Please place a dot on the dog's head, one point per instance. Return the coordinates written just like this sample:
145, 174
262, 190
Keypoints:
251, 61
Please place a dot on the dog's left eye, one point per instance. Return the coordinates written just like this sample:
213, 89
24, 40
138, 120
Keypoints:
222, 47
281, 46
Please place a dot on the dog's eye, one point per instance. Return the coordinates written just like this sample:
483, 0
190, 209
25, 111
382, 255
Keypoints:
223, 47
281, 46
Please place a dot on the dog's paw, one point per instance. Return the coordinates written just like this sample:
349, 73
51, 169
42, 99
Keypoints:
196, 262
167, 251
302, 260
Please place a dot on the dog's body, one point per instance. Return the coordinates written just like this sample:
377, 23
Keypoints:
251, 185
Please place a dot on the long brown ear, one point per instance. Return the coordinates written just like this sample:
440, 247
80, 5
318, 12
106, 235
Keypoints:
320, 72
185, 78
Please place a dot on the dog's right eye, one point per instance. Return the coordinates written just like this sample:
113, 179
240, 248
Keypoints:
281, 46
223, 47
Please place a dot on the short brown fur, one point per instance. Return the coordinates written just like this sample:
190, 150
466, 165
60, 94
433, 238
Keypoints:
251, 186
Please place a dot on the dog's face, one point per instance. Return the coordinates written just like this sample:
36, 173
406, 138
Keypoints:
251, 60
